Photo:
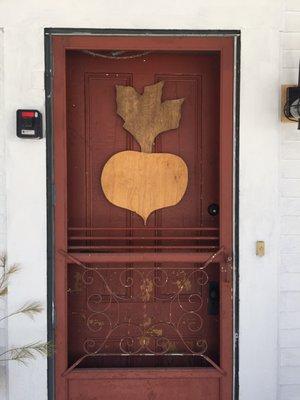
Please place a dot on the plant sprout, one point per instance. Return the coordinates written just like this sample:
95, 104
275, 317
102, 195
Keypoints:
29, 309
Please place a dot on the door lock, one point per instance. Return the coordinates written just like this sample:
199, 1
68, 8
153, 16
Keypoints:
213, 298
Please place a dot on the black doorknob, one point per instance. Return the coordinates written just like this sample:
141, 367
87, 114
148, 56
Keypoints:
213, 209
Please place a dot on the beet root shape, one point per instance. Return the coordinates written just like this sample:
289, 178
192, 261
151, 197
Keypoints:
143, 181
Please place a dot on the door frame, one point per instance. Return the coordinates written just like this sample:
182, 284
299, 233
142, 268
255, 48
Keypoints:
210, 40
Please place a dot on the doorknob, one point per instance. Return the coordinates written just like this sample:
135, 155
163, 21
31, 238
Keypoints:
213, 209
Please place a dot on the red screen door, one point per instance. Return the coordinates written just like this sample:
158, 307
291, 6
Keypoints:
143, 311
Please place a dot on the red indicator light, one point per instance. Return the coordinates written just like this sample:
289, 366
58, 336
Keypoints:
28, 114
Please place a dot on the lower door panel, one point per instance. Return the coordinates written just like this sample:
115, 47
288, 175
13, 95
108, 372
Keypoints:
143, 388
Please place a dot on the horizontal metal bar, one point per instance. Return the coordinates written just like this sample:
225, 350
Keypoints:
142, 257
141, 247
145, 267
145, 355
157, 238
143, 229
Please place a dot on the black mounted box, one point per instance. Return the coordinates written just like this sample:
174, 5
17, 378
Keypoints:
29, 124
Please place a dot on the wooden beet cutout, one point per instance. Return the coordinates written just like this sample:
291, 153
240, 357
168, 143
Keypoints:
144, 181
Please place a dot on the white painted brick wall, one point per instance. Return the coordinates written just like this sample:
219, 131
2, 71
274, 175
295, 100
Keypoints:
3, 332
289, 278
289, 392
292, 5
290, 358
290, 301
289, 338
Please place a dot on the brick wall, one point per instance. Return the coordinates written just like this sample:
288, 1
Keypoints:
3, 333
289, 278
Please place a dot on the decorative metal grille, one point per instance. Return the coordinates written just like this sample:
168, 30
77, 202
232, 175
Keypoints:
167, 317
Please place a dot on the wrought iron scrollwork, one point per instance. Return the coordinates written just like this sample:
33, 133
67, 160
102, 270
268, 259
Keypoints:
116, 329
